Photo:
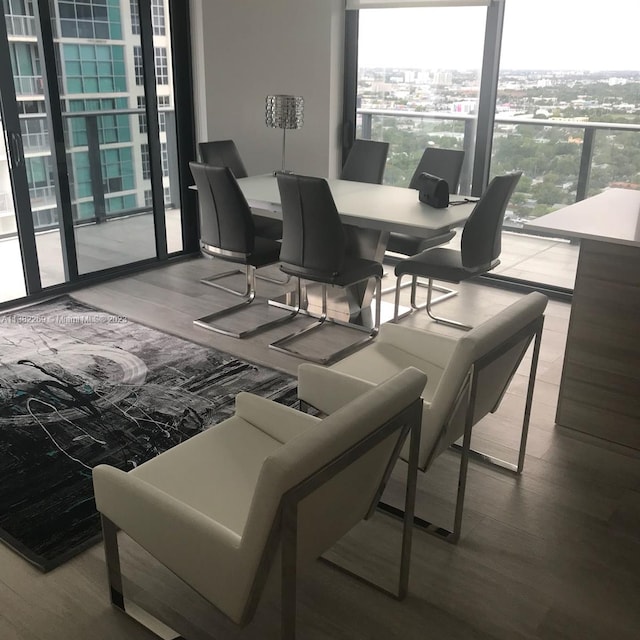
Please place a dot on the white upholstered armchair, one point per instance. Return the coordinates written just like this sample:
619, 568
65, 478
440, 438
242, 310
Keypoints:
216, 508
467, 377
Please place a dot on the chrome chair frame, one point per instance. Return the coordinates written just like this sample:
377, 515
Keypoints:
284, 533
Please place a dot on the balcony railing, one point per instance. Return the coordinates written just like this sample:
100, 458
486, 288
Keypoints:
86, 132
20, 25
585, 136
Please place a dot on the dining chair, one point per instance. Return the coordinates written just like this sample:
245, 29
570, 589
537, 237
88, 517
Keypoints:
446, 164
269, 486
224, 153
467, 378
480, 248
227, 232
315, 248
366, 161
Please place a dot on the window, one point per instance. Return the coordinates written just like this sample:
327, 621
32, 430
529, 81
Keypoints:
165, 159
146, 162
428, 88
157, 16
93, 68
142, 117
162, 67
95, 19
138, 66
135, 17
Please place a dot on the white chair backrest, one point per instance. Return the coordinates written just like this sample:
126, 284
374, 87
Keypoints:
481, 347
337, 505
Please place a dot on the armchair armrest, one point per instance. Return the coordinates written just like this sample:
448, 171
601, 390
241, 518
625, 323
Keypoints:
194, 546
276, 420
328, 390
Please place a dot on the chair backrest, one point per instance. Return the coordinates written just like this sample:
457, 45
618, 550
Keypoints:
444, 163
313, 237
330, 472
491, 351
225, 216
366, 161
481, 241
223, 153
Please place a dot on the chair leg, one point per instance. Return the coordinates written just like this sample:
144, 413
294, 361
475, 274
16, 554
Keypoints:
261, 276
280, 345
212, 282
407, 515
116, 591
209, 321
440, 319
446, 291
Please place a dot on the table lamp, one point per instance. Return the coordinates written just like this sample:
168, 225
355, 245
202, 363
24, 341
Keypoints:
284, 112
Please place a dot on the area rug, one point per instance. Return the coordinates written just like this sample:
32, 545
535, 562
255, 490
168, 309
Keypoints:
80, 387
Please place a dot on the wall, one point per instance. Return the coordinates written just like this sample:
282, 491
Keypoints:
247, 49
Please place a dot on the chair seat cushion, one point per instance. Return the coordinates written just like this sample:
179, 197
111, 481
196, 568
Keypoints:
379, 361
215, 472
353, 270
440, 264
411, 245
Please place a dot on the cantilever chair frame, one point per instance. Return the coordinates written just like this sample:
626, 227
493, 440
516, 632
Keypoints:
468, 391
280, 345
442, 238
431, 287
212, 251
430, 284
284, 530
249, 295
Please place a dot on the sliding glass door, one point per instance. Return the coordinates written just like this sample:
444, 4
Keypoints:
92, 148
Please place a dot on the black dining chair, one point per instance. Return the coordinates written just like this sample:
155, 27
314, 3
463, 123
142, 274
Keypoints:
224, 153
446, 164
480, 248
366, 161
315, 247
227, 232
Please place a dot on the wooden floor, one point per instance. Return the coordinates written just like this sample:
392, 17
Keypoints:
554, 554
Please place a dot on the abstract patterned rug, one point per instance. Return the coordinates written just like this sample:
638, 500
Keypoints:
79, 387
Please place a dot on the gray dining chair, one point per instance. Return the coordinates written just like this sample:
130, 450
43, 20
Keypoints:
227, 232
366, 161
480, 248
224, 153
315, 247
446, 164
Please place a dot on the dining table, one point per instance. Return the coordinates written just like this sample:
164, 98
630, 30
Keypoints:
369, 212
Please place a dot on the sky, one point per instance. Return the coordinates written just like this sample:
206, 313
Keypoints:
590, 35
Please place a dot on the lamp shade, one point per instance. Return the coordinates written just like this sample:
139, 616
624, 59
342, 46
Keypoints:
284, 112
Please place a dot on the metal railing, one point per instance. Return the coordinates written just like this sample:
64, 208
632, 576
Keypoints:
18, 25
588, 129
86, 130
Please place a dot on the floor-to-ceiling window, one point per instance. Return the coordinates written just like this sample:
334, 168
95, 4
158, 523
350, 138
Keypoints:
559, 100
567, 115
414, 89
93, 145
